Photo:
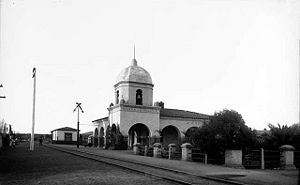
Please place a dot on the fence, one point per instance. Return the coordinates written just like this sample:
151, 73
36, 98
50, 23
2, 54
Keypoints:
165, 153
272, 159
252, 159
198, 156
146, 151
176, 154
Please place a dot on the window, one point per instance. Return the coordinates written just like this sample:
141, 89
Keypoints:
139, 97
117, 98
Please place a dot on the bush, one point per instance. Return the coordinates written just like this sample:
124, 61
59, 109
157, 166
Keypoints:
226, 130
282, 135
114, 139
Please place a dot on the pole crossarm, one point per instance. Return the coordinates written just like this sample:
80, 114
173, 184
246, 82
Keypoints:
78, 107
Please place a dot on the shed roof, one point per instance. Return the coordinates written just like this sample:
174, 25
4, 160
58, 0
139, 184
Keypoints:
65, 129
104, 118
182, 114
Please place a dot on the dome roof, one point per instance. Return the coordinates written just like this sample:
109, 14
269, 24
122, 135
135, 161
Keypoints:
134, 73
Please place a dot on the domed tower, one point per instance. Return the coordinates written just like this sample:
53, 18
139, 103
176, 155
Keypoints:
133, 111
134, 86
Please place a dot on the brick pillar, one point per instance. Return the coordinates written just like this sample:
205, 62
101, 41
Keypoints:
287, 157
157, 150
262, 155
233, 158
99, 141
186, 152
172, 149
136, 148
104, 142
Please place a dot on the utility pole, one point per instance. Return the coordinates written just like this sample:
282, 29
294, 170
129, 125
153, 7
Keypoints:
2, 96
78, 107
33, 110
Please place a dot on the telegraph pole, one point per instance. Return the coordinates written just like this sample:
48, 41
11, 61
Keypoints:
78, 107
33, 110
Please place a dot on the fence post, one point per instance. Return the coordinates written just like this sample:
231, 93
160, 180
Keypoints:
136, 149
262, 159
172, 148
186, 152
205, 158
146, 150
157, 150
233, 158
287, 157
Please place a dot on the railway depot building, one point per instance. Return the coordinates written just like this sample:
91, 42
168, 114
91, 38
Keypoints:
138, 119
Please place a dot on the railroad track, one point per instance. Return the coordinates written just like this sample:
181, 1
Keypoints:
171, 175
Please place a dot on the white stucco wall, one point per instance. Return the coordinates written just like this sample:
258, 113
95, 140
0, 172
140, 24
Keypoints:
102, 124
114, 116
127, 91
54, 134
59, 135
127, 115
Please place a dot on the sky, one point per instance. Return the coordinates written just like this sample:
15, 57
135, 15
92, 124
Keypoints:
203, 56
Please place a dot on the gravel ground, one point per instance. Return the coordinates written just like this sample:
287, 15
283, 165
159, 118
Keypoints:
47, 166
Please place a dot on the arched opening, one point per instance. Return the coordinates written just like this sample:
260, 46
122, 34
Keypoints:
113, 135
95, 137
138, 133
114, 128
96, 132
189, 134
139, 97
170, 134
117, 97
90, 140
101, 137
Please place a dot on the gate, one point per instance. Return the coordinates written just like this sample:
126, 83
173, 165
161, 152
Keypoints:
252, 159
177, 154
272, 159
197, 156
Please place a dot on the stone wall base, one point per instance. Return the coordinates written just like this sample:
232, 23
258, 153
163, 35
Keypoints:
235, 166
288, 167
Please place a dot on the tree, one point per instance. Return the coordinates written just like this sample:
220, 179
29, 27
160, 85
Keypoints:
108, 137
120, 142
226, 130
115, 139
282, 135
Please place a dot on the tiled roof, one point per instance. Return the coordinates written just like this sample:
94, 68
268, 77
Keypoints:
182, 114
88, 133
97, 120
65, 129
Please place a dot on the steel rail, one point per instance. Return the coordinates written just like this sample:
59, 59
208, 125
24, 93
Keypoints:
226, 181
74, 152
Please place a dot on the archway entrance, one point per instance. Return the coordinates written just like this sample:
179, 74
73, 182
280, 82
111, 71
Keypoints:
189, 133
96, 137
170, 134
138, 133
101, 137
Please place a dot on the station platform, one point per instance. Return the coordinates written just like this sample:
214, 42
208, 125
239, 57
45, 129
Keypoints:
246, 176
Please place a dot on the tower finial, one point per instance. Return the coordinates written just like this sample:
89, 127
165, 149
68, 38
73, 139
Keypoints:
134, 62
134, 51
